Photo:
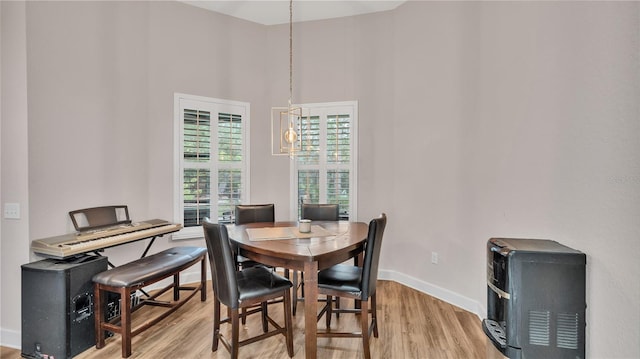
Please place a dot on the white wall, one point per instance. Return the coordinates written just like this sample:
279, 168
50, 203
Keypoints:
476, 120
88, 135
14, 237
528, 119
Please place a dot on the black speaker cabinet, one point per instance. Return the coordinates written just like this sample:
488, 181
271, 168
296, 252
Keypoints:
57, 306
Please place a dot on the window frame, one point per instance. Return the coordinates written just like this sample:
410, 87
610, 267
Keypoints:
323, 109
214, 106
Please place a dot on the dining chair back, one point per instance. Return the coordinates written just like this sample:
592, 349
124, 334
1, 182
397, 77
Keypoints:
314, 212
372, 256
241, 289
222, 262
358, 283
252, 213
320, 212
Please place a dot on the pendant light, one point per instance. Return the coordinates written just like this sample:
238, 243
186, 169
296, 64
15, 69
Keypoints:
286, 122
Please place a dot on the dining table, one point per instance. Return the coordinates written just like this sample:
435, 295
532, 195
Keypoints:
281, 244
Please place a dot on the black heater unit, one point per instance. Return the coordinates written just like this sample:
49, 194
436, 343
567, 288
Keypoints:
535, 299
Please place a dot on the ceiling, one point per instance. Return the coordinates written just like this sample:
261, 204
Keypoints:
273, 12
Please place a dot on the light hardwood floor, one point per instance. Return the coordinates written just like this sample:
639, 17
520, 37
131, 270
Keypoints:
412, 325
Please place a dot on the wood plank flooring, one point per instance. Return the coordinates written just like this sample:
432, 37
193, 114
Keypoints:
411, 324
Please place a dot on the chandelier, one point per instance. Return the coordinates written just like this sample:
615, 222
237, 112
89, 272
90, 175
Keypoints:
286, 122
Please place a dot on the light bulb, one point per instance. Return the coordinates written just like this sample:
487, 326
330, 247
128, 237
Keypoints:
290, 135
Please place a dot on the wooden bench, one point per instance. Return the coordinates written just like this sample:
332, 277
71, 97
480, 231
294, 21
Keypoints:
128, 278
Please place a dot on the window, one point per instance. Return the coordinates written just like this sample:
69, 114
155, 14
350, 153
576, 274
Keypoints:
211, 160
325, 169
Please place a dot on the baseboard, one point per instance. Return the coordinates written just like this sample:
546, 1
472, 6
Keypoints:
443, 294
10, 338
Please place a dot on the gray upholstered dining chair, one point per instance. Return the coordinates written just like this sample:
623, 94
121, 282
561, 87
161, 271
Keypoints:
314, 212
238, 289
320, 212
252, 213
357, 283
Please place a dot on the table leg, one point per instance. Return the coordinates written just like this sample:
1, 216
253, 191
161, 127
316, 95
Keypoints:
310, 309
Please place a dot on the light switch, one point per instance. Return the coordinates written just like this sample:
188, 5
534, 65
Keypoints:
12, 210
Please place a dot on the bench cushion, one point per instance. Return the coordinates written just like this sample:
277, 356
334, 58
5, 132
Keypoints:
155, 266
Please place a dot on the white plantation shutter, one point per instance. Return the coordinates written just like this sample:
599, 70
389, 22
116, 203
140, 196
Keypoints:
230, 165
309, 185
325, 170
310, 154
339, 139
196, 178
211, 161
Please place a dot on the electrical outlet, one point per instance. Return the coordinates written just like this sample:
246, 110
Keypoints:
12, 210
434, 257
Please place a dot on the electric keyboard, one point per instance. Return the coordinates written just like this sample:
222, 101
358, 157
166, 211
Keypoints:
72, 244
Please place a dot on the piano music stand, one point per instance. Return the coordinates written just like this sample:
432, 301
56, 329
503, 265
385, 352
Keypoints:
89, 219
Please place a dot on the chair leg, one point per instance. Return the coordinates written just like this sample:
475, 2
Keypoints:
216, 324
329, 311
295, 292
374, 315
203, 279
244, 310
264, 314
235, 333
244, 316
288, 322
364, 322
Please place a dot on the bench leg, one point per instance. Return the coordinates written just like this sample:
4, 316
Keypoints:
99, 316
176, 287
125, 321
